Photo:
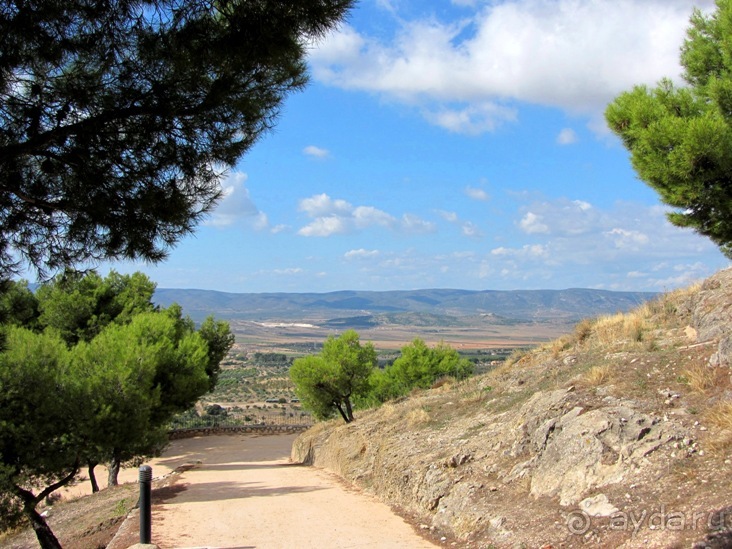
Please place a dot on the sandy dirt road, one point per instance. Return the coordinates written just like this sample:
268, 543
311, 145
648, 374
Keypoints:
243, 493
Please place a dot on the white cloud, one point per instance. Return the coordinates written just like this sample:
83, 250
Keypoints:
414, 224
528, 251
471, 229
361, 254
467, 228
621, 247
452, 217
567, 137
325, 226
288, 272
368, 216
236, 205
473, 119
316, 152
561, 217
322, 204
628, 239
336, 216
572, 54
476, 193
531, 223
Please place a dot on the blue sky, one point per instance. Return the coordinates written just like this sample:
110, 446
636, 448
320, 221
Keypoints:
455, 144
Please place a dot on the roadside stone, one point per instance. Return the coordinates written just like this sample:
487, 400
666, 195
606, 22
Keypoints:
598, 506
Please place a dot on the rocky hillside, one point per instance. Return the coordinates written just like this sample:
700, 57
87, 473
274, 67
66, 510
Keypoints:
617, 435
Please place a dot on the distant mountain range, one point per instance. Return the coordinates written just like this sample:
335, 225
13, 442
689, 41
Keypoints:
517, 305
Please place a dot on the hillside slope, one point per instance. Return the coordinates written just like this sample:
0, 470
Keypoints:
617, 435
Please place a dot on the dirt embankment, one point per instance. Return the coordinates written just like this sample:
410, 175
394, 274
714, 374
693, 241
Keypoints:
618, 435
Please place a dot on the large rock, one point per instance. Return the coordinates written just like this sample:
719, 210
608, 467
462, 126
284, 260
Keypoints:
712, 315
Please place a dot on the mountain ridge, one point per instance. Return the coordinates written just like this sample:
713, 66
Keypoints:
536, 305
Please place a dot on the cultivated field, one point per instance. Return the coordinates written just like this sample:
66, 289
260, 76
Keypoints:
305, 336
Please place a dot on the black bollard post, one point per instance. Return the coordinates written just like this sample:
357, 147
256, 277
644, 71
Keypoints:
145, 504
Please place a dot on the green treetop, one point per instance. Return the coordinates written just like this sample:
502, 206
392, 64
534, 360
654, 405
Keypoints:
331, 380
680, 138
119, 117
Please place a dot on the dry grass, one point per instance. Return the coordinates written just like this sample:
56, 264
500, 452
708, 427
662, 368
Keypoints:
624, 329
700, 377
444, 383
720, 416
628, 330
583, 330
557, 346
418, 416
598, 375
719, 420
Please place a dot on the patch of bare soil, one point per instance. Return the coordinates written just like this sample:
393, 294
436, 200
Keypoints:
82, 520
88, 522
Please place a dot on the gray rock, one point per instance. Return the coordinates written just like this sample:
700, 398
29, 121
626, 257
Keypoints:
598, 506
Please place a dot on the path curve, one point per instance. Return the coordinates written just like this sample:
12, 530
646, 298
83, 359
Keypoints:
243, 493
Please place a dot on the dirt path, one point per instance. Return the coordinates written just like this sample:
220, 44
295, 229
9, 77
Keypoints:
243, 492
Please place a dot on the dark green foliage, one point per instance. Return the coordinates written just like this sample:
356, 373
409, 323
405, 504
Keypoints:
329, 382
119, 117
98, 379
267, 359
80, 305
219, 339
680, 139
18, 304
418, 367
216, 410
41, 406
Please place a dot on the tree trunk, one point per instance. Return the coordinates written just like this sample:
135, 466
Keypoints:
114, 466
44, 534
93, 477
349, 410
343, 414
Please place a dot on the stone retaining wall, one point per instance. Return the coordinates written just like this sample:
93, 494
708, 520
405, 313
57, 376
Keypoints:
243, 429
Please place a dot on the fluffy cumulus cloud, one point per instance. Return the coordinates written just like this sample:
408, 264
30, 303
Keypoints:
628, 238
336, 216
467, 73
236, 205
562, 217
